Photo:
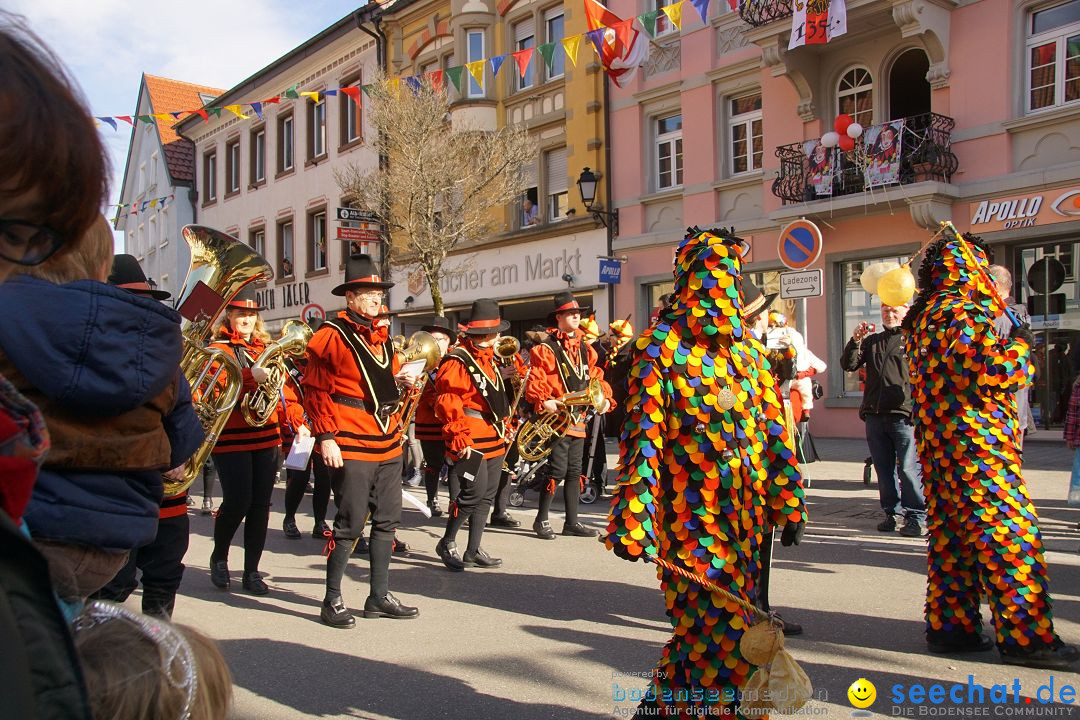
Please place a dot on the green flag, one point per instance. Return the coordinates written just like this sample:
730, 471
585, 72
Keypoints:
547, 50
292, 94
648, 21
454, 73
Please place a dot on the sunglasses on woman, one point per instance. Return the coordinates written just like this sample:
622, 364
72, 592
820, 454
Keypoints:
26, 243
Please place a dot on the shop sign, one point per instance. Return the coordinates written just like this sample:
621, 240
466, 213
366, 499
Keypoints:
286, 296
1021, 211
610, 271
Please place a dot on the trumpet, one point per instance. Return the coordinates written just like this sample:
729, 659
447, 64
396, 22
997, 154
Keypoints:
506, 347
538, 434
421, 345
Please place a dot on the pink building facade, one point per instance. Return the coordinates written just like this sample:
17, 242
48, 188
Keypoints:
971, 113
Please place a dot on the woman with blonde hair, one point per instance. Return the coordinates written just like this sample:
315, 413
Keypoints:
246, 457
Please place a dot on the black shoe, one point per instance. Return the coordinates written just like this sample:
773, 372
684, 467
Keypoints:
400, 547
291, 531
543, 530
578, 530
361, 546
254, 584
504, 521
913, 527
887, 525
480, 559
954, 643
336, 615
433, 506
790, 629
447, 551
388, 607
320, 530
219, 574
1058, 656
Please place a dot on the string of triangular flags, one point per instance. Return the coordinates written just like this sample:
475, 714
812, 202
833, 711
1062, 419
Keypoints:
476, 69
140, 206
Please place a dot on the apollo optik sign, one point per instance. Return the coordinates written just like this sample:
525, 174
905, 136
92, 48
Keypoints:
1021, 211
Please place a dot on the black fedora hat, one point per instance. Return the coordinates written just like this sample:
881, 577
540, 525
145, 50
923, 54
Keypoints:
566, 302
360, 274
484, 318
127, 274
438, 324
246, 299
754, 301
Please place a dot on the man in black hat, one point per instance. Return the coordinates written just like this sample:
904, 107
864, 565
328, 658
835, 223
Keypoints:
126, 273
472, 404
429, 428
563, 363
351, 397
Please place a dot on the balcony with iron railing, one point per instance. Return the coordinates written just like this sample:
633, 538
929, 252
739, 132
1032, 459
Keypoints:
756, 13
925, 155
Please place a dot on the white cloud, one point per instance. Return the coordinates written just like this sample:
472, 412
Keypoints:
108, 44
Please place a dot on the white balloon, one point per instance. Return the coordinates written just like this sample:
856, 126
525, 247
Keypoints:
872, 273
854, 130
830, 139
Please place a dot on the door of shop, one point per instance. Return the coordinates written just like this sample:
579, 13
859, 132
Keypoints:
1051, 292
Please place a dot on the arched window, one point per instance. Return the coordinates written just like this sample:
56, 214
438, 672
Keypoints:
909, 91
855, 96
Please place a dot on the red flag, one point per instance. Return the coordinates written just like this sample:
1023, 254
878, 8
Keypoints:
202, 113
354, 93
125, 118
522, 58
622, 49
436, 80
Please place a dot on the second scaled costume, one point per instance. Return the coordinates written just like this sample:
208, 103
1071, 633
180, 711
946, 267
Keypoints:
705, 469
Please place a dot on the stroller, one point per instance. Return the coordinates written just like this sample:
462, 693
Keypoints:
529, 476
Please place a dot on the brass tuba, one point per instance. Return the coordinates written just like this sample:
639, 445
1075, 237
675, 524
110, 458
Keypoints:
537, 435
421, 345
220, 267
259, 405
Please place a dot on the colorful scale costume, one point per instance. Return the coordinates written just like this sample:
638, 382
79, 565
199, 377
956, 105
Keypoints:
983, 528
705, 467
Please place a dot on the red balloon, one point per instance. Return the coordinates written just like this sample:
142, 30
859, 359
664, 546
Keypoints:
841, 123
847, 144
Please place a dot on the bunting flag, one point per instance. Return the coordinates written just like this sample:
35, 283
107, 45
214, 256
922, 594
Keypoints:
570, 46
476, 69
522, 58
817, 22
414, 83
674, 13
142, 205
617, 43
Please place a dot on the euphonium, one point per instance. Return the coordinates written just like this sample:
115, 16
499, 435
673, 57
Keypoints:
220, 267
537, 435
398, 342
259, 405
506, 347
421, 345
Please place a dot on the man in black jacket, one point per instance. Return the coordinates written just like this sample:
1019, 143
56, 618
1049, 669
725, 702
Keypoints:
886, 410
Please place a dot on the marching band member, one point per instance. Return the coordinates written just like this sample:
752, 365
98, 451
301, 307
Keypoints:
351, 397
472, 404
513, 373
612, 357
563, 363
428, 426
296, 480
246, 457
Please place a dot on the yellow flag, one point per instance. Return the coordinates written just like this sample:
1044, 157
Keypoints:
235, 110
313, 94
164, 117
571, 45
476, 69
674, 13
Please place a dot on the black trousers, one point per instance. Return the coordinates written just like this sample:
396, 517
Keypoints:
161, 563
565, 464
474, 501
247, 482
296, 486
502, 494
434, 460
367, 488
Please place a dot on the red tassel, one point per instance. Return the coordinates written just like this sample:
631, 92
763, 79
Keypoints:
583, 481
330, 544
551, 486
453, 508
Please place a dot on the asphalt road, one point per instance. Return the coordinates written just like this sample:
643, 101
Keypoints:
564, 626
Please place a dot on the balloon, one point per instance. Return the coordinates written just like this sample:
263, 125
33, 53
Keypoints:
872, 274
840, 125
897, 286
846, 144
854, 130
830, 139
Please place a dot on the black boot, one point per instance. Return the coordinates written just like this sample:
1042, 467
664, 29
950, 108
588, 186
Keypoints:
481, 559
219, 573
336, 615
447, 547
1056, 656
958, 642
388, 606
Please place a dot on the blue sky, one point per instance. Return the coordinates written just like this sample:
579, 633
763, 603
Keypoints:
108, 44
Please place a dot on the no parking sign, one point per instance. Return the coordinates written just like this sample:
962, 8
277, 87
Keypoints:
800, 244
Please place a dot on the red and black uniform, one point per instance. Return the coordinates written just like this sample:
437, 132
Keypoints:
428, 431
246, 459
296, 480
498, 511
561, 364
473, 406
352, 398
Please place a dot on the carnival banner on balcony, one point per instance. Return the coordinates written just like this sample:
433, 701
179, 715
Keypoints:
819, 168
882, 143
816, 22
621, 47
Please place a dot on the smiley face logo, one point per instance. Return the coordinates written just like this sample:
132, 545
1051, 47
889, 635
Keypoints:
862, 693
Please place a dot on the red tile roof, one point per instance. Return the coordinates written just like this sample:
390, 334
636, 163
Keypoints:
173, 96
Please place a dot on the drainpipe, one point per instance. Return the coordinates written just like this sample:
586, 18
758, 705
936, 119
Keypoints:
610, 198
383, 62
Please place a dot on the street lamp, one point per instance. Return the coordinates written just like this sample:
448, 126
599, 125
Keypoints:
587, 187
151, 283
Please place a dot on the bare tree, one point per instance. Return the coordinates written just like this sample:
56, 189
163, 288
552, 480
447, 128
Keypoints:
443, 184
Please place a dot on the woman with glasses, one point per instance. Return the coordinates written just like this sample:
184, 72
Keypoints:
53, 181
246, 457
